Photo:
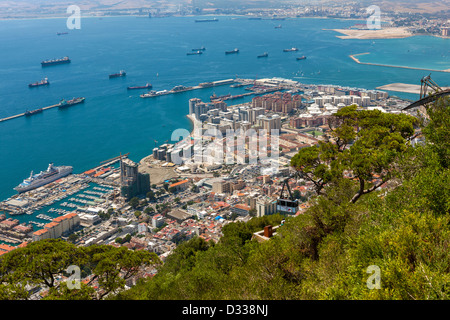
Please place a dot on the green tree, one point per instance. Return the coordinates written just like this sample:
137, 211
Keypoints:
172, 189
151, 196
40, 263
366, 144
134, 202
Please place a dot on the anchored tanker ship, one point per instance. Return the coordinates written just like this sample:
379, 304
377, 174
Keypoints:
44, 177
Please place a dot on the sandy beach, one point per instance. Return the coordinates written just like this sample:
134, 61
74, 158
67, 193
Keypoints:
384, 33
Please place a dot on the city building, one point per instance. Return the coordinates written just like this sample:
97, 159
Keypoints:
265, 206
132, 182
58, 227
221, 186
180, 185
241, 209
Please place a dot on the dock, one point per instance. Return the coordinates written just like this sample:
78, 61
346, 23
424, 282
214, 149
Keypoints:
200, 86
353, 57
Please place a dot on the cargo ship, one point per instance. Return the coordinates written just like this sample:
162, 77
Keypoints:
278, 26
180, 89
265, 54
301, 58
206, 84
43, 82
199, 49
61, 33
122, 73
207, 20
147, 86
194, 52
44, 177
52, 62
151, 94
30, 113
67, 103
236, 50
290, 50
216, 97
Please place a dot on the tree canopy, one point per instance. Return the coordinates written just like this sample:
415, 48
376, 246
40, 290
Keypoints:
365, 145
43, 263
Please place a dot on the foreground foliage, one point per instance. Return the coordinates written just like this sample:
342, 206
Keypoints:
42, 263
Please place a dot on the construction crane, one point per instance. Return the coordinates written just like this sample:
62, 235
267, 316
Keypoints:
437, 92
287, 204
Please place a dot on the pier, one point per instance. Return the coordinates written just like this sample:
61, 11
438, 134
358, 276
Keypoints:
200, 86
23, 114
353, 56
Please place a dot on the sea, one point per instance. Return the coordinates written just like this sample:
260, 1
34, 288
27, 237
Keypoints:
114, 120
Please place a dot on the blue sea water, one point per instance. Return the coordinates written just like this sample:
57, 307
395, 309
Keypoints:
114, 120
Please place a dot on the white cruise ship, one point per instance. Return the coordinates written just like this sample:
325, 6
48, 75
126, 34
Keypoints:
44, 177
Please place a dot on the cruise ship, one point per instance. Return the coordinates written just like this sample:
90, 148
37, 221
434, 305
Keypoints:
44, 177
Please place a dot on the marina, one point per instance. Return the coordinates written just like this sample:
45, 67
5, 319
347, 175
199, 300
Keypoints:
33, 209
55, 201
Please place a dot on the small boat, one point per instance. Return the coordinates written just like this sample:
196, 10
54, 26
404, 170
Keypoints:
199, 49
61, 33
278, 26
301, 58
